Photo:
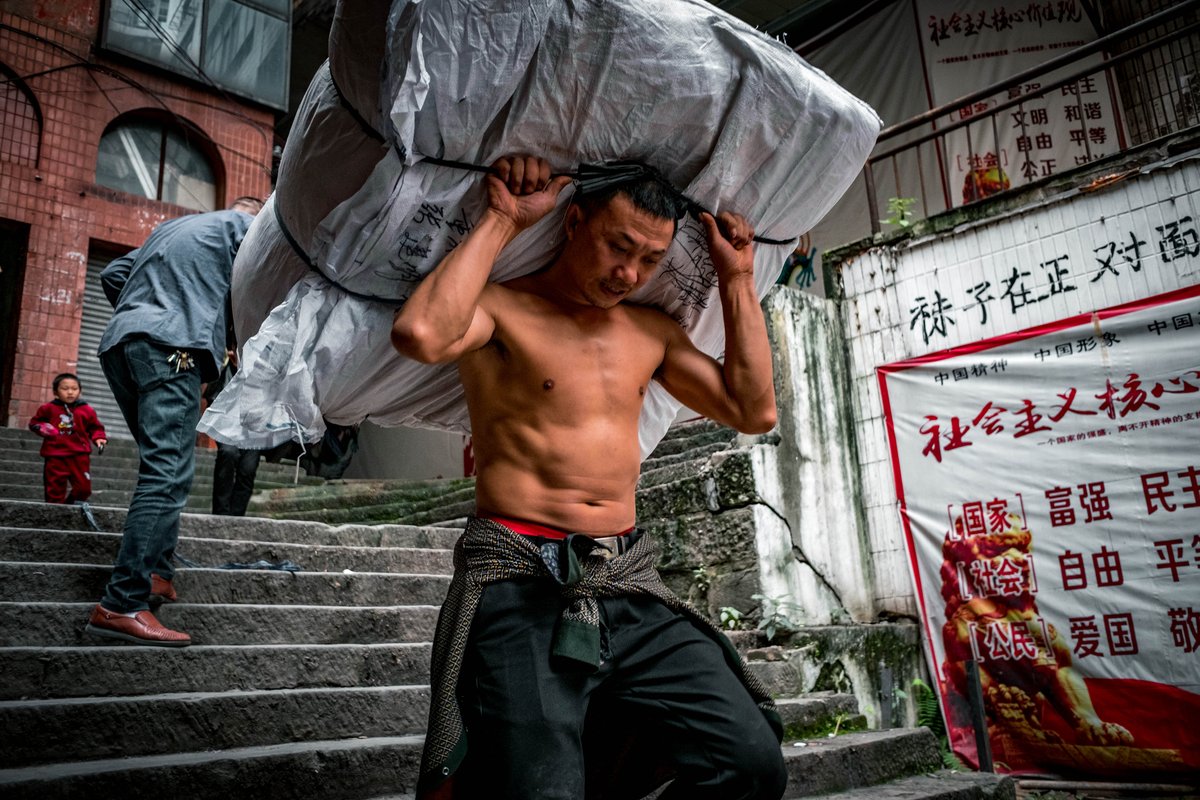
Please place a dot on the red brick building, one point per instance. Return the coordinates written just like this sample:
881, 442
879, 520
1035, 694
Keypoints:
102, 138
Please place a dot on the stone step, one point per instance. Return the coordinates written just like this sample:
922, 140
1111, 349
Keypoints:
108, 671
117, 480
66, 583
693, 435
819, 713
362, 492
941, 785
35, 493
726, 482
816, 656
48, 624
434, 513
199, 498
385, 768
44, 731
16, 455
856, 760
25, 464
347, 769
403, 504
668, 468
114, 498
86, 547
20, 514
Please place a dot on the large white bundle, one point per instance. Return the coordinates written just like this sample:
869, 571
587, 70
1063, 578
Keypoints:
733, 118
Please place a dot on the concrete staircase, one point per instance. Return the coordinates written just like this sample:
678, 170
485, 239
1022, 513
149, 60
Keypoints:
371, 502
114, 473
300, 685
306, 684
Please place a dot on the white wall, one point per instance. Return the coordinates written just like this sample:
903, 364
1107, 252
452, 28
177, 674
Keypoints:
406, 453
885, 285
815, 548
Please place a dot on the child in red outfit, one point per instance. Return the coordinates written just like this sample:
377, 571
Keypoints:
68, 427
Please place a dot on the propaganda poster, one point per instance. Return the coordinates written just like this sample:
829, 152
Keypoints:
966, 45
1049, 487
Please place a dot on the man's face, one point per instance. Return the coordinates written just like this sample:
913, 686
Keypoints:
67, 391
615, 249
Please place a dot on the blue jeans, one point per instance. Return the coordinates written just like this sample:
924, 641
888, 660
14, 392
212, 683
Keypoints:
161, 405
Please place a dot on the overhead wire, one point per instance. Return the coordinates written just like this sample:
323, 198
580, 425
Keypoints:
158, 97
163, 34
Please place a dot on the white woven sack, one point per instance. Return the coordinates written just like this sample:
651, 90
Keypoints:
733, 118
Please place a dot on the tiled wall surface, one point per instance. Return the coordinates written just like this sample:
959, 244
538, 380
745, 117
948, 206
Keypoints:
67, 214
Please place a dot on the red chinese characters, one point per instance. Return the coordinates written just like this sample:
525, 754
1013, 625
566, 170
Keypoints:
1114, 402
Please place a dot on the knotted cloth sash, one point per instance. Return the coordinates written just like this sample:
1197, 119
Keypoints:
489, 552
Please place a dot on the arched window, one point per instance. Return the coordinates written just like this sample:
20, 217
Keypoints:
154, 156
20, 120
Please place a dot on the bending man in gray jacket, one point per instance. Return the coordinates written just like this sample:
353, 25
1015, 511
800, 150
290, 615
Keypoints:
166, 337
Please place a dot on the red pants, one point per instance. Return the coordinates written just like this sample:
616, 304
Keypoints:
61, 470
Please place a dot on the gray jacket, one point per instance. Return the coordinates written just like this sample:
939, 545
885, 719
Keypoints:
174, 289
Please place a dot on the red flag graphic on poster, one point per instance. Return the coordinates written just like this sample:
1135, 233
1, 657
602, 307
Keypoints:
1049, 486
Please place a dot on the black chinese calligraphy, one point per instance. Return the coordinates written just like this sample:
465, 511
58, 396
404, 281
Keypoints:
694, 277
1001, 18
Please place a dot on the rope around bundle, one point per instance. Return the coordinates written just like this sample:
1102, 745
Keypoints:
591, 178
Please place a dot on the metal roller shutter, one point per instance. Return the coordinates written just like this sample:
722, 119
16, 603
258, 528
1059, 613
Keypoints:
96, 313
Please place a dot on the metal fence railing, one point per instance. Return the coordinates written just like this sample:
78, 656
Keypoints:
1150, 67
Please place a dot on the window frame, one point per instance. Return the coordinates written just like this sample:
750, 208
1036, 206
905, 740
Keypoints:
202, 78
192, 136
15, 80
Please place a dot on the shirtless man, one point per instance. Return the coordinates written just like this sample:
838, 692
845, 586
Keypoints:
566, 616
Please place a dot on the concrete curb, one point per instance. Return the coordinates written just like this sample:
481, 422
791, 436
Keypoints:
42, 624
66, 583
85, 547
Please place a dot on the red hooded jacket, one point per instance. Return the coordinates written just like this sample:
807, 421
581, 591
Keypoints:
66, 430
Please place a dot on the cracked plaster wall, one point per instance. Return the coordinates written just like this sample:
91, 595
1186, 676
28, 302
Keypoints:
811, 539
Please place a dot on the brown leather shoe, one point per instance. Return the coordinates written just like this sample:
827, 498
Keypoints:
142, 628
161, 590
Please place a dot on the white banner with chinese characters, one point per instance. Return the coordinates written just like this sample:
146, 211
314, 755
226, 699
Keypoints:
1049, 486
968, 45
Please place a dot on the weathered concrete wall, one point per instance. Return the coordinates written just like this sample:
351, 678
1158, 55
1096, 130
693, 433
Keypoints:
812, 540
1061, 250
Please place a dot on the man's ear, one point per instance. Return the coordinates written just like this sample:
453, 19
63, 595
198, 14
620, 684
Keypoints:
572, 219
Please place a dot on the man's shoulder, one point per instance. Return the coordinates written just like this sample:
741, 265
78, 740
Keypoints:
228, 218
649, 317
514, 293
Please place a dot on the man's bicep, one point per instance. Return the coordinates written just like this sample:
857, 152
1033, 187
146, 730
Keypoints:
694, 378
479, 332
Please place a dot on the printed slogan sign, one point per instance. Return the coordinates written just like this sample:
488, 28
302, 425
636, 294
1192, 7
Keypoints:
969, 44
1052, 510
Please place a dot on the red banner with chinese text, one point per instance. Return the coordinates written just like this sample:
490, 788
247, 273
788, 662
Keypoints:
1049, 487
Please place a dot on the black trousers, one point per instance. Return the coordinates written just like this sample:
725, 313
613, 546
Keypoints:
233, 479
661, 680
